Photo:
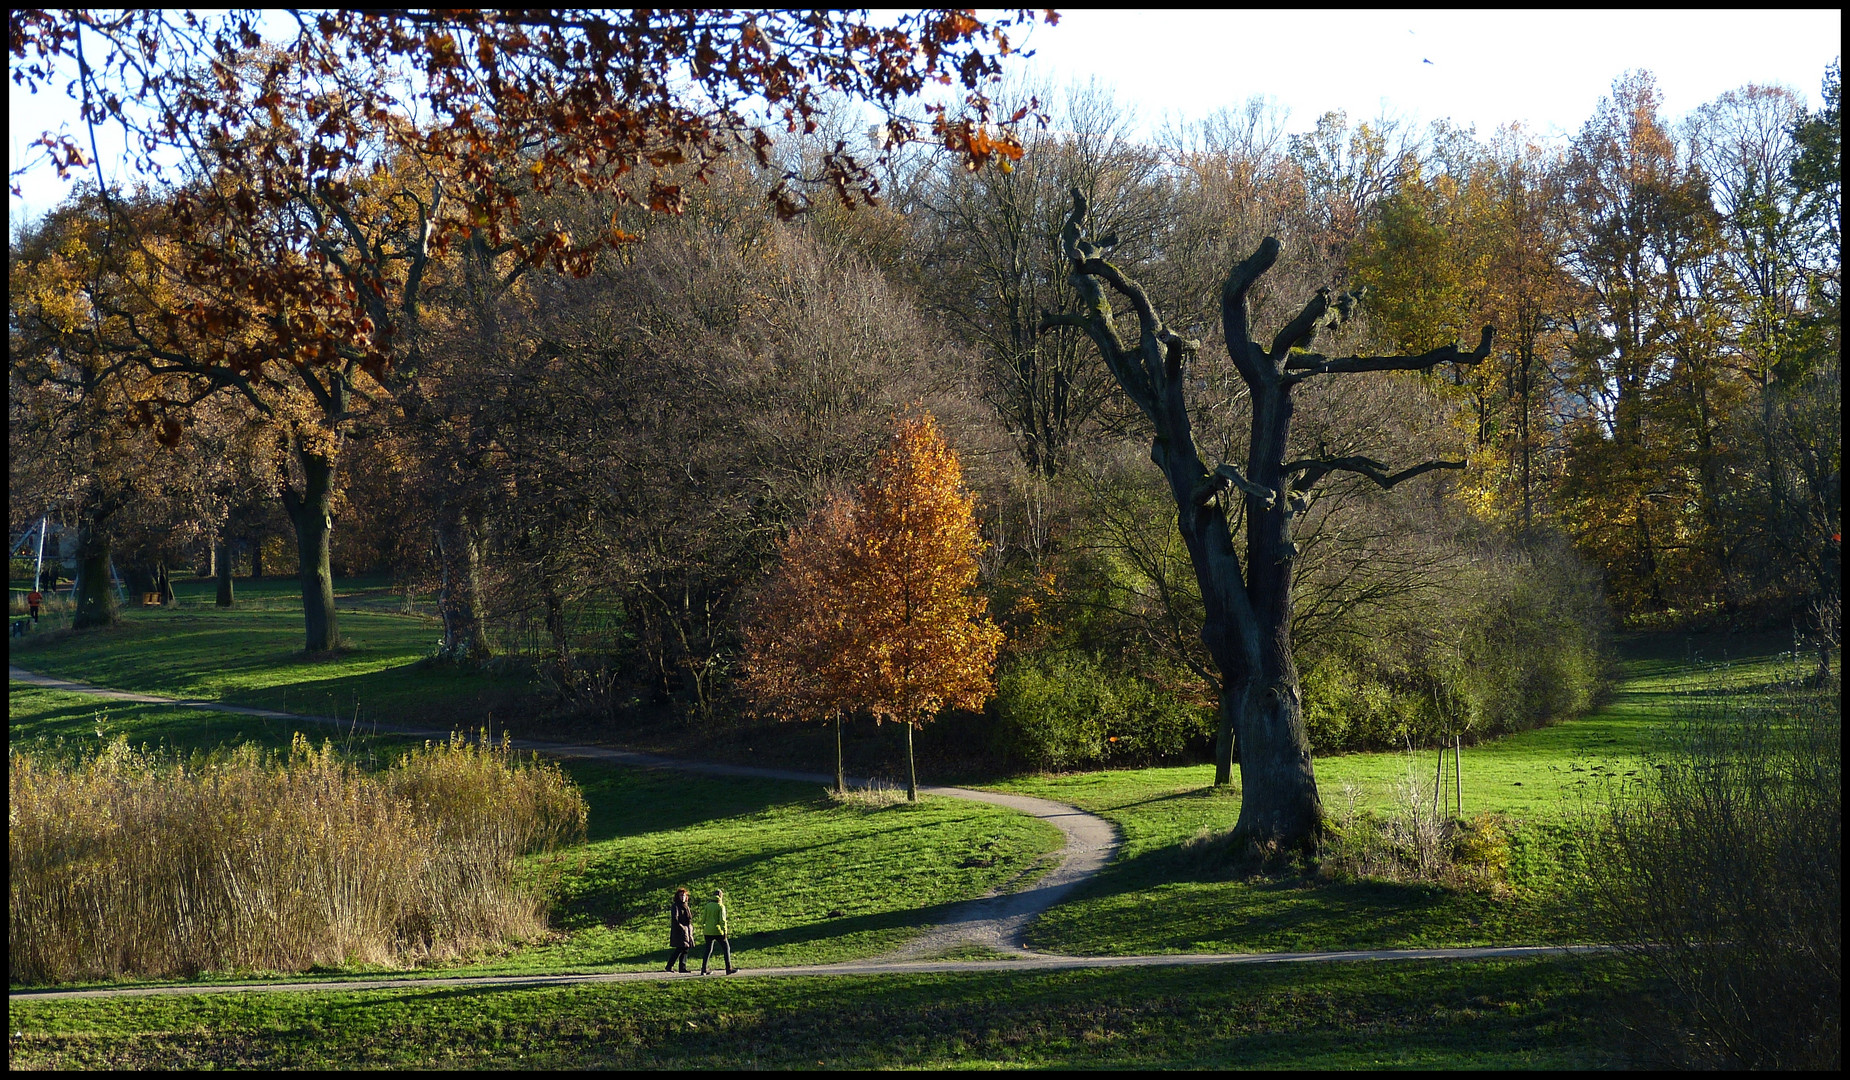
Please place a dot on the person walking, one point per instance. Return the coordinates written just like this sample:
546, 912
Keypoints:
680, 930
33, 600
713, 925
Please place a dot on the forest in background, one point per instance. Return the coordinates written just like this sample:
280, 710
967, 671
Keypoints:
592, 472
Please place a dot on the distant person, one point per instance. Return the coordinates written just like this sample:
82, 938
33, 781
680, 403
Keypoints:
33, 600
680, 930
713, 924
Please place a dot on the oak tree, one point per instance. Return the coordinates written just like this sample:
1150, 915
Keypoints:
1247, 603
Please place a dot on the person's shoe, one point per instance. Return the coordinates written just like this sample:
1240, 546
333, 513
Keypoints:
684, 971
732, 971
703, 971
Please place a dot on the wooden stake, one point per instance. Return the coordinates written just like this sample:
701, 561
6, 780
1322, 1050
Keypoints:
1458, 779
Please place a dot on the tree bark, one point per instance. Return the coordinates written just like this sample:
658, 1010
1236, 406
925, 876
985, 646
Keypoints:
460, 554
221, 566
94, 599
256, 543
309, 510
841, 783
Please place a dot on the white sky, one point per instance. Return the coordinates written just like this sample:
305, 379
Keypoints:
1546, 68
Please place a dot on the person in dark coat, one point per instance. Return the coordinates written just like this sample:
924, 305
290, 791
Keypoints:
680, 930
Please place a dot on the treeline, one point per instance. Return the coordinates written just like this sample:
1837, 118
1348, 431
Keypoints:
591, 471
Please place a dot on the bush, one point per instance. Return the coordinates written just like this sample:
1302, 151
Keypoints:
1513, 645
1721, 873
129, 863
1059, 712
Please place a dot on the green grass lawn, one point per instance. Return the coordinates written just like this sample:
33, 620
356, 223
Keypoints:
253, 655
807, 858
1529, 1014
1157, 897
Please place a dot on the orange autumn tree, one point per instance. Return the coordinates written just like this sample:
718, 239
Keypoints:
874, 607
797, 646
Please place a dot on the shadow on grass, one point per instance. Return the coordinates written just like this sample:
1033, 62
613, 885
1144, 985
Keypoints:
1162, 901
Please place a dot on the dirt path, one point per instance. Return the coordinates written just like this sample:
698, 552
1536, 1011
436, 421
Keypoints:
1031, 962
997, 920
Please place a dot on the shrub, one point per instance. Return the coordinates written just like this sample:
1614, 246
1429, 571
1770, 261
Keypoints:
126, 863
1515, 644
1721, 873
1059, 712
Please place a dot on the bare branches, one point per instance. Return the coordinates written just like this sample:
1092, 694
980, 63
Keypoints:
1233, 304
1312, 470
1312, 364
1223, 475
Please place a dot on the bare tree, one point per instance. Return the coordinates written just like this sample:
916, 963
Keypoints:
1247, 608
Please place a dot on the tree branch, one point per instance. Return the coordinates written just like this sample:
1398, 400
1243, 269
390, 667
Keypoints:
1312, 364
1315, 469
1233, 304
1227, 474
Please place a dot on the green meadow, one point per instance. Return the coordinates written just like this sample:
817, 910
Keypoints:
811, 880
1531, 1014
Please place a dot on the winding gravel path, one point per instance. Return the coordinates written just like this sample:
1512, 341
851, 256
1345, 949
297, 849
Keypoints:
997, 920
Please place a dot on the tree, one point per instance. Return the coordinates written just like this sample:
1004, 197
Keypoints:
799, 647
892, 626
319, 178
1247, 608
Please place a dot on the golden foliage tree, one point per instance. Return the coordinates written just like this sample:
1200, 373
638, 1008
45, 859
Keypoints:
873, 607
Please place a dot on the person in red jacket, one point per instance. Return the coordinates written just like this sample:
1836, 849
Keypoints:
33, 600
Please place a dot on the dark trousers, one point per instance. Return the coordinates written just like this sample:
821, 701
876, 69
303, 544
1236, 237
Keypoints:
679, 957
724, 944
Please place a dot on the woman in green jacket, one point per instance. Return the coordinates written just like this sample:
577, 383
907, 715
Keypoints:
713, 925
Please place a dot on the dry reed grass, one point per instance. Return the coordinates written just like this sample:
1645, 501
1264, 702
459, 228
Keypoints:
135, 863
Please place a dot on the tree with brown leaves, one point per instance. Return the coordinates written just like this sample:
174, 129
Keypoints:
320, 174
873, 609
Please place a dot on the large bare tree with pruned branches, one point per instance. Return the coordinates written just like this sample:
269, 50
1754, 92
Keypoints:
1247, 629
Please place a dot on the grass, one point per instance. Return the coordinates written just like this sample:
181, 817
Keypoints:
1159, 898
253, 656
1531, 1014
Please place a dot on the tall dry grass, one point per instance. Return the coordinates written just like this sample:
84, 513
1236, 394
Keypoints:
131, 863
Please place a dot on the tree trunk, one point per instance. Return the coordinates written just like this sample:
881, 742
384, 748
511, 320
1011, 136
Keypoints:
1278, 789
561, 640
163, 583
309, 511
841, 783
94, 600
256, 543
460, 555
221, 560
912, 772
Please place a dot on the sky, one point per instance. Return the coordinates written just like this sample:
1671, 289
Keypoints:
1547, 69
